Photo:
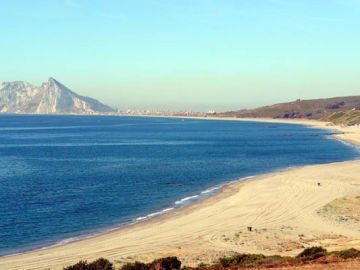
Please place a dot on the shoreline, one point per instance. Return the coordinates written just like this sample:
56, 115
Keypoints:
110, 228
140, 219
133, 232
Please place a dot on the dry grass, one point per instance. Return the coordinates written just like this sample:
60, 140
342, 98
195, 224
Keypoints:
343, 210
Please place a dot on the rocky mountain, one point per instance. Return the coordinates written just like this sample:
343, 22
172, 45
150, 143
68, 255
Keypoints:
50, 98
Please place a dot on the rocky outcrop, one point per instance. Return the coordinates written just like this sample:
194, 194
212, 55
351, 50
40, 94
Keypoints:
50, 98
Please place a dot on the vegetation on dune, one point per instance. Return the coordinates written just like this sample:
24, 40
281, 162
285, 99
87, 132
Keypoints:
168, 263
312, 253
135, 266
339, 110
336, 115
351, 253
351, 117
99, 264
254, 260
239, 261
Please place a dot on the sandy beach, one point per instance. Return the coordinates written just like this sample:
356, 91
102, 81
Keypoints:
288, 210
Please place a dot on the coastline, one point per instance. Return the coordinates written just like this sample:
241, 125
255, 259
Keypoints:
216, 226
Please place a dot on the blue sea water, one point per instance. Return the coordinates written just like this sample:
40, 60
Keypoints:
68, 177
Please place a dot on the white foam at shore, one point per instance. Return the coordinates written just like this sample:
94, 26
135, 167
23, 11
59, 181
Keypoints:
186, 199
210, 190
155, 214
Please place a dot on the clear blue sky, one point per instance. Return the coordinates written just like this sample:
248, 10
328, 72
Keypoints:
185, 54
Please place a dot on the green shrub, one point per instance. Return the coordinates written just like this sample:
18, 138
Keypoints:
202, 265
81, 265
241, 260
348, 253
270, 261
99, 264
336, 115
135, 266
168, 263
312, 253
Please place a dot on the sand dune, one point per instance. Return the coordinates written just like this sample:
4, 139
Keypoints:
284, 209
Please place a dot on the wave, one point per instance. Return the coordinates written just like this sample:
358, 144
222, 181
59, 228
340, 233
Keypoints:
348, 144
211, 190
186, 199
191, 199
151, 215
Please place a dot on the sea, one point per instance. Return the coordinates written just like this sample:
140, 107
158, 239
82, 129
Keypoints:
64, 178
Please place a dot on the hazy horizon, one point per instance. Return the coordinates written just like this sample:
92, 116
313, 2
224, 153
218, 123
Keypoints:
185, 55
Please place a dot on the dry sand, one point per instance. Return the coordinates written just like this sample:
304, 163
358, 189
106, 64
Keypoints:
287, 211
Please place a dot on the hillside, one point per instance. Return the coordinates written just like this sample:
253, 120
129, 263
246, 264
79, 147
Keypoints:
341, 110
50, 98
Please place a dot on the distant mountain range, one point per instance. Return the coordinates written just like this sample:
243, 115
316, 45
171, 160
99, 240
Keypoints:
344, 110
50, 98
53, 97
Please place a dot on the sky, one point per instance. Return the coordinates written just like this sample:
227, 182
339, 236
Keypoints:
185, 54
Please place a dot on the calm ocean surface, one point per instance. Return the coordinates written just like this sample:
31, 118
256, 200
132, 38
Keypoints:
67, 177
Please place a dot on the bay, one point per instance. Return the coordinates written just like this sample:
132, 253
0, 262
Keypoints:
67, 177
